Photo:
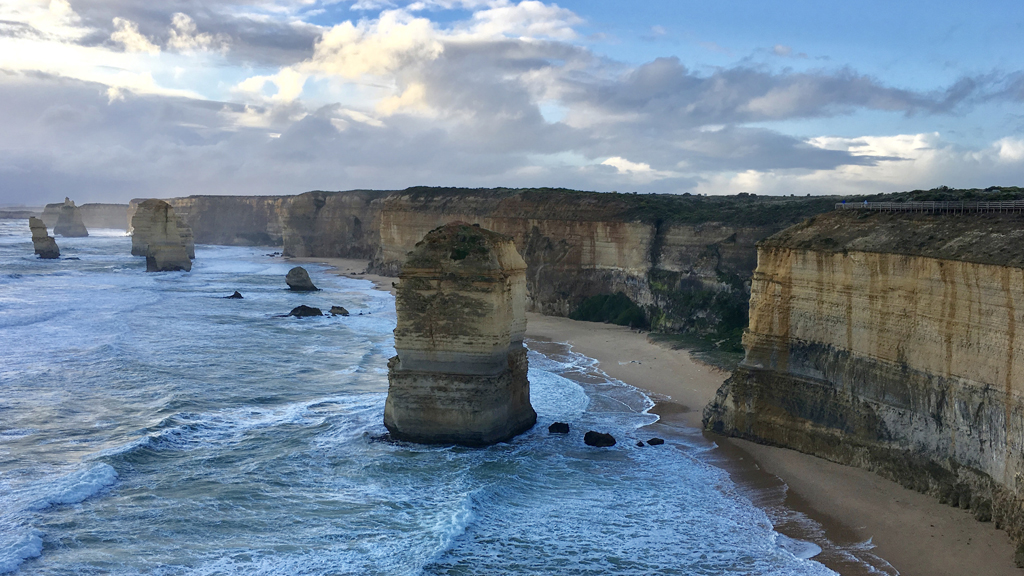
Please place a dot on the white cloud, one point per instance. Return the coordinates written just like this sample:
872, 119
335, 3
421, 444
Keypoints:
639, 172
375, 47
127, 33
913, 161
528, 20
184, 36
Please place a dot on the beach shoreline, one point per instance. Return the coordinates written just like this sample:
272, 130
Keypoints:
910, 532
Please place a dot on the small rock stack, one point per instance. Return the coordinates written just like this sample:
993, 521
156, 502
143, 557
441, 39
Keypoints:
160, 236
44, 245
460, 373
69, 222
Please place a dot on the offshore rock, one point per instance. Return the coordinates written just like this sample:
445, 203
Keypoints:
598, 439
157, 236
304, 311
892, 341
298, 280
338, 311
460, 376
45, 246
236, 296
69, 222
558, 428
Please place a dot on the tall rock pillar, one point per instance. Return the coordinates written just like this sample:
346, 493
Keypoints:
160, 236
69, 222
460, 376
43, 244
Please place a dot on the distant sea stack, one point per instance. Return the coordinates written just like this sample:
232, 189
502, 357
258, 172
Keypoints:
69, 222
460, 376
892, 341
158, 235
45, 246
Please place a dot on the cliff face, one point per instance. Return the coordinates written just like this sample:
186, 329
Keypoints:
687, 260
93, 215
891, 342
230, 220
332, 224
578, 245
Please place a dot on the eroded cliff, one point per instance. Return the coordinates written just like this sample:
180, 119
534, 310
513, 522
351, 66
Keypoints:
890, 341
685, 259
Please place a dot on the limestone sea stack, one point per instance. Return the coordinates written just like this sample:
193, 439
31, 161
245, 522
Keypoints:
460, 376
157, 236
44, 245
69, 222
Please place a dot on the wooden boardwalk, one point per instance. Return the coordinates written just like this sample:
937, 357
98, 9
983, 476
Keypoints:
933, 207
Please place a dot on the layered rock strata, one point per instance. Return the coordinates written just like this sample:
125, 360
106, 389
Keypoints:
43, 244
687, 260
460, 376
69, 221
157, 236
890, 342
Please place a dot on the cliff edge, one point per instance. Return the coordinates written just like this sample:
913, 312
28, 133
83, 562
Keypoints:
890, 342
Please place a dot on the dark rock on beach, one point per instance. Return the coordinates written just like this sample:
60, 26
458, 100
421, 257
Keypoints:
305, 311
598, 439
558, 428
338, 311
298, 280
236, 296
655, 441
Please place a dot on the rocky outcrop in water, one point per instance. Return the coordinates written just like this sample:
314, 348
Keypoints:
298, 280
598, 439
304, 311
69, 222
460, 376
157, 236
891, 342
45, 246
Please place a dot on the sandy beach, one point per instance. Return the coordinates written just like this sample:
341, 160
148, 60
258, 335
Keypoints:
912, 532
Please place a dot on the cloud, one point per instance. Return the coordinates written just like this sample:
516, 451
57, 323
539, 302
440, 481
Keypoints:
127, 33
184, 36
404, 96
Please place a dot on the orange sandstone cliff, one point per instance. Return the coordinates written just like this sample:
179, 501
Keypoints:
890, 342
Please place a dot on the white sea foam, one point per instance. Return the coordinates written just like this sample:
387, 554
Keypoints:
72, 488
18, 547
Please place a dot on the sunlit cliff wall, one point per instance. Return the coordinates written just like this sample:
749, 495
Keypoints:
659, 250
890, 341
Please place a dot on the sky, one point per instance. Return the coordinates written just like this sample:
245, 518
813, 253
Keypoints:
107, 100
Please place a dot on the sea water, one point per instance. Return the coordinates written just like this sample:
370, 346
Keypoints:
148, 425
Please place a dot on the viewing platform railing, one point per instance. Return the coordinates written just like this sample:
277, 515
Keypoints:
954, 207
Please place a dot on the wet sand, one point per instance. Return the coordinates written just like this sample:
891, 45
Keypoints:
911, 533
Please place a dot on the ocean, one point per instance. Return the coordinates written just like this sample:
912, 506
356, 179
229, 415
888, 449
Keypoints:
148, 425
